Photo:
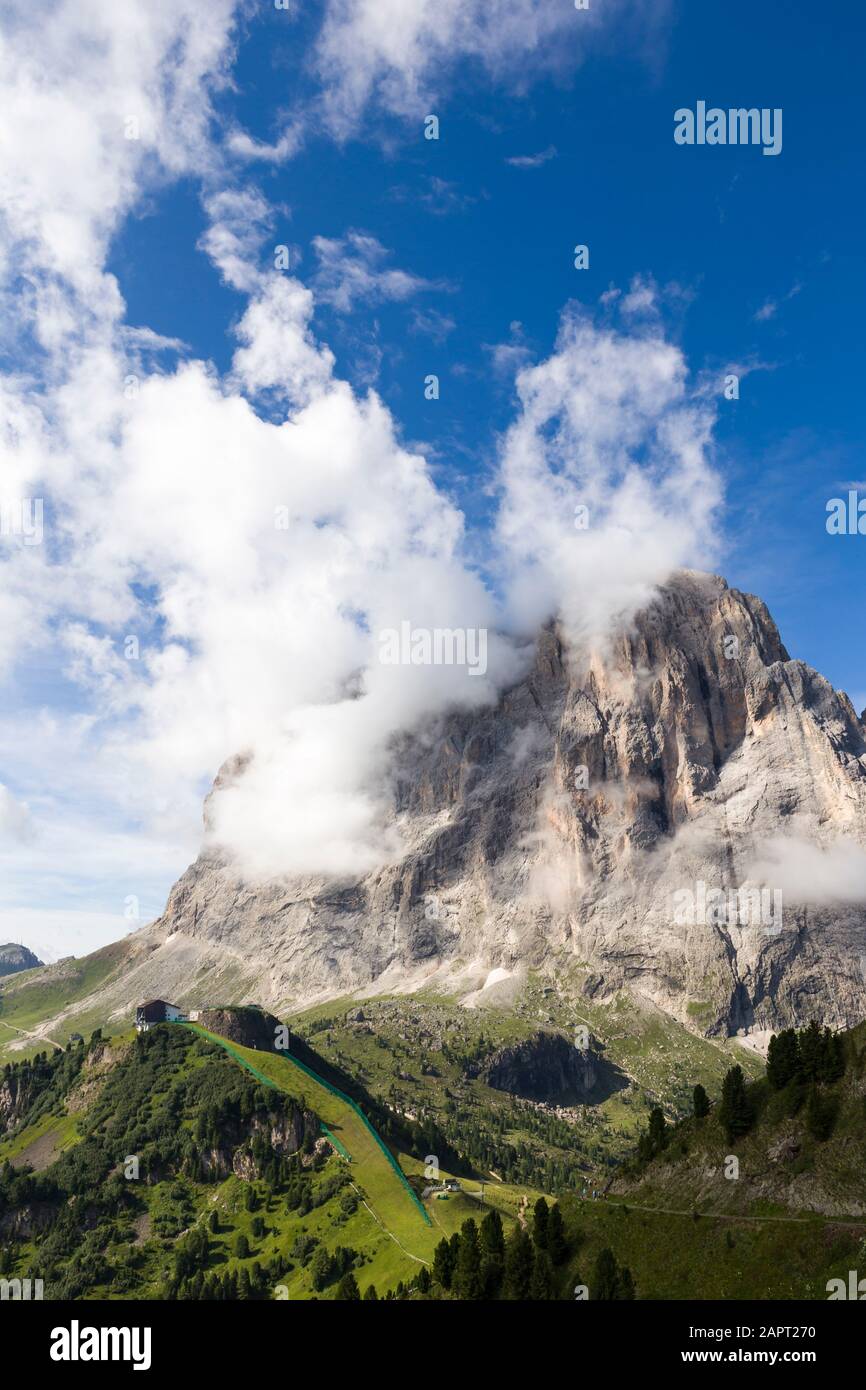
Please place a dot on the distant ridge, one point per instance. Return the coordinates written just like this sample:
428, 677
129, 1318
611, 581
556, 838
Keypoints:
14, 958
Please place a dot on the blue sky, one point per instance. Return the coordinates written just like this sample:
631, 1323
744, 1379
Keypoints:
754, 265
737, 232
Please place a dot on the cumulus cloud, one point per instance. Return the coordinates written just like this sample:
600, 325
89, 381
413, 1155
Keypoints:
218, 581
224, 551
93, 102
606, 477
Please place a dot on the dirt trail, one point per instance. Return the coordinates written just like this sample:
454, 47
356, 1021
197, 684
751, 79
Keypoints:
730, 1216
38, 1037
381, 1223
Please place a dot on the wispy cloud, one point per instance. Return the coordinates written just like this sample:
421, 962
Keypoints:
532, 161
353, 269
770, 307
438, 196
509, 356
429, 323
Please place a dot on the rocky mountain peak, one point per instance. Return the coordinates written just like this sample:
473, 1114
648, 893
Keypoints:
568, 829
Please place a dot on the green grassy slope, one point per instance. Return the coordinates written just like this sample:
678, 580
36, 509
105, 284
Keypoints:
794, 1217
687, 1256
33, 1001
90, 1233
782, 1166
395, 1206
412, 1053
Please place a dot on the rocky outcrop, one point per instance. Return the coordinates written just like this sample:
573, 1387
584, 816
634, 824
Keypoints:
14, 1100
549, 1067
23, 1223
100, 1060
247, 1026
563, 830
284, 1133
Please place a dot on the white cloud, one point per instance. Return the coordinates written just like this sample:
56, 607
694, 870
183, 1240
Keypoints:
642, 297
278, 152
254, 531
352, 270
95, 100
254, 562
429, 323
607, 424
400, 54
532, 161
52, 935
16, 822
810, 873
770, 307
508, 357
239, 220
145, 340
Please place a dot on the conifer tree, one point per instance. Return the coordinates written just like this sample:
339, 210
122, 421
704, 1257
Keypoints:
832, 1062
556, 1243
604, 1284
492, 1253
519, 1263
541, 1283
609, 1281
443, 1264
811, 1051
540, 1218
466, 1282
735, 1111
783, 1059
700, 1103
492, 1238
347, 1289
657, 1130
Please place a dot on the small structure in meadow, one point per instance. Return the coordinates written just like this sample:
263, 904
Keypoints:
157, 1011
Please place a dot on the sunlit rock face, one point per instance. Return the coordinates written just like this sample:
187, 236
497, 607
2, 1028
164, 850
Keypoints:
681, 815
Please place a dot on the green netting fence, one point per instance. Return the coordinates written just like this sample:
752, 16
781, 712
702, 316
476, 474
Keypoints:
320, 1081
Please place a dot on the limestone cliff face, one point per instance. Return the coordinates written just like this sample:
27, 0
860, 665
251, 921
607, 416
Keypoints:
564, 829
